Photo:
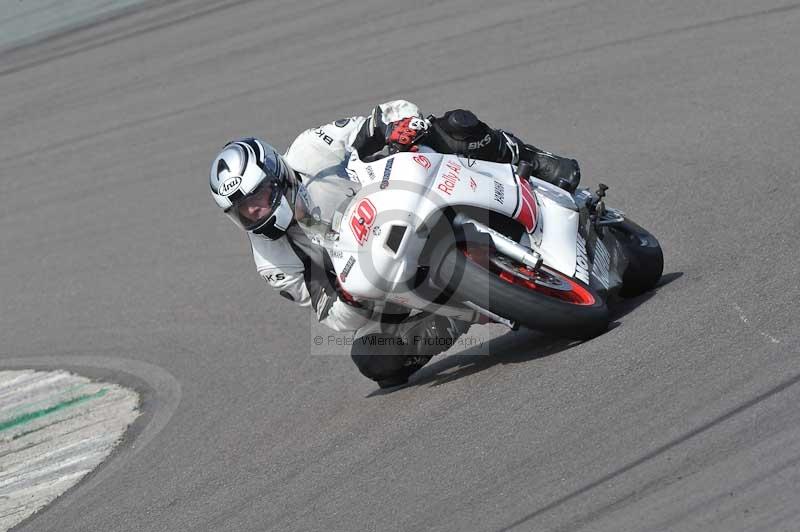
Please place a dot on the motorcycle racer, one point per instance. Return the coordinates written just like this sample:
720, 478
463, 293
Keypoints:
264, 193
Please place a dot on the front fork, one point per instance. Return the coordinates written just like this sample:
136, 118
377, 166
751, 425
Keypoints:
595, 204
608, 261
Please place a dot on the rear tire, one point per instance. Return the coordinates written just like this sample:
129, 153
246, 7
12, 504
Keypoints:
470, 281
645, 258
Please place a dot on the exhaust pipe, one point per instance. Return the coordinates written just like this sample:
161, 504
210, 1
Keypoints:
502, 243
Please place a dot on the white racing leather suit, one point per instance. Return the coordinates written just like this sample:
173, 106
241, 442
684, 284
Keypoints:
280, 262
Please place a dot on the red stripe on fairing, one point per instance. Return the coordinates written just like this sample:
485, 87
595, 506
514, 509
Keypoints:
527, 211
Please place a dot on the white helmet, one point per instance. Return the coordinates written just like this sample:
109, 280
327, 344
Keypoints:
255, 187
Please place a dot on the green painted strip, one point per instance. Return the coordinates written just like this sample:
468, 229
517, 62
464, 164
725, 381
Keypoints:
66, 391
36, 414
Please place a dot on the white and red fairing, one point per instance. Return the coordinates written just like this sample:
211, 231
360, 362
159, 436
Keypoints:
412, 189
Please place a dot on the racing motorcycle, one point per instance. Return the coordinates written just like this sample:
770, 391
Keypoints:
450, 235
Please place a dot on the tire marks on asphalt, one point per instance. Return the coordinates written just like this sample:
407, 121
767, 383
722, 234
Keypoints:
654, 453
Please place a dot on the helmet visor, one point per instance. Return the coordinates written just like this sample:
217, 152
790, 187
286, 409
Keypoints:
256, 208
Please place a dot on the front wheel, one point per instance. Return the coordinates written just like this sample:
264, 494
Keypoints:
645, 258
542, 299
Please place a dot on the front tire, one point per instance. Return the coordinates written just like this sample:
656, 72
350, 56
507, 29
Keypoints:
545, 300
645, 258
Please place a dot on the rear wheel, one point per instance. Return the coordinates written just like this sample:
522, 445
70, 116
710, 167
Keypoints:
645, 258
543, 299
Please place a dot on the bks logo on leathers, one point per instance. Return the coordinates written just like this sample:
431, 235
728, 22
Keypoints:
347, 267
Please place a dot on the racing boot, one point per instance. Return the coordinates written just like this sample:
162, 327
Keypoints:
559, 171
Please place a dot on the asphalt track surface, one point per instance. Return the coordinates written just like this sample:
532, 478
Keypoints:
116, 263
